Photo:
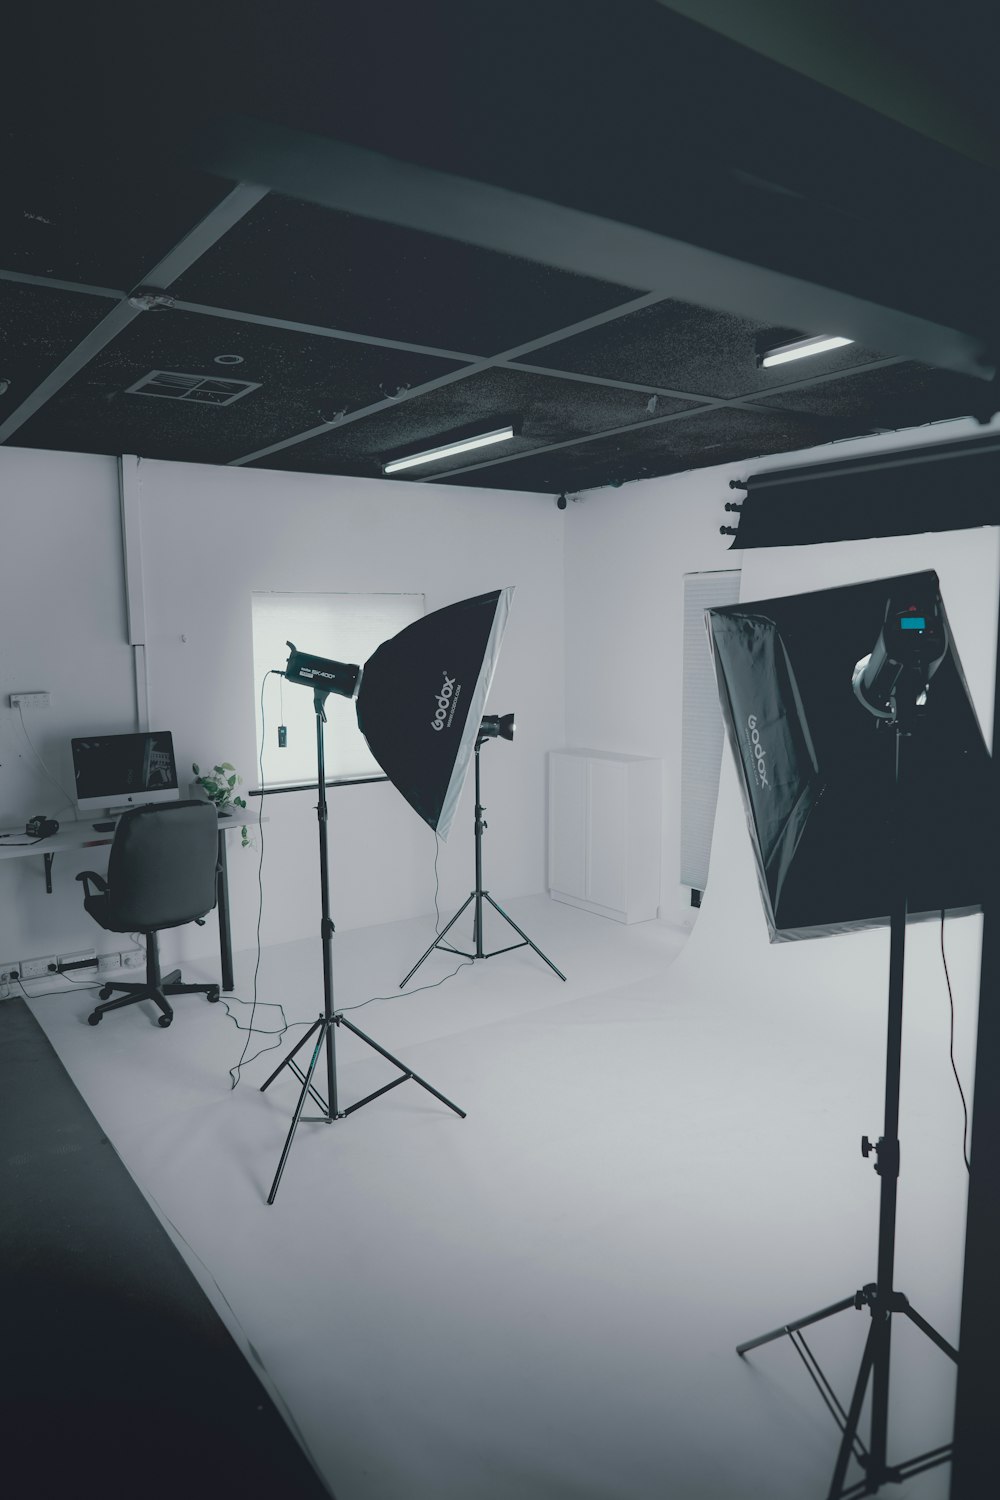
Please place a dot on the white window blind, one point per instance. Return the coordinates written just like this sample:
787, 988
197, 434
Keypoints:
702, 732
344, 627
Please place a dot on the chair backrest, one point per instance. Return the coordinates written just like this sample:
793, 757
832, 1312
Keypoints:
162, 868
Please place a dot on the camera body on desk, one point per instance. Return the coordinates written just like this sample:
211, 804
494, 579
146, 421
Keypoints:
41, 827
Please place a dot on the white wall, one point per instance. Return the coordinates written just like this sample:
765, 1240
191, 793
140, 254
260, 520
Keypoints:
626, 553
210, 537
62, 630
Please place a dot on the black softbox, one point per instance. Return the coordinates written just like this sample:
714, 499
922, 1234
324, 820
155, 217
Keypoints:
421, 698
817, 772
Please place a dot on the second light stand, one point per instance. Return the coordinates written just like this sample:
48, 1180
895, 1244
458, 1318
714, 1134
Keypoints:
878, 1296
478, 896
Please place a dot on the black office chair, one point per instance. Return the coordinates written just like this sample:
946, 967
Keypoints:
161, 873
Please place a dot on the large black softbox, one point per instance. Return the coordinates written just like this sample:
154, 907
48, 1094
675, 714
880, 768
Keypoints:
421, 698
817, 771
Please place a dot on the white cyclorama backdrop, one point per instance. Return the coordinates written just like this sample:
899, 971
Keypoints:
824, 1002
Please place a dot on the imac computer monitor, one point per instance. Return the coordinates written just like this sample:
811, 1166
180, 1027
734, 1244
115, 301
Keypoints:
116, 771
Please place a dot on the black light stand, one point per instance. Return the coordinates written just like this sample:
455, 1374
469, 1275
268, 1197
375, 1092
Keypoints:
323, 1028
491, 726
879, 1295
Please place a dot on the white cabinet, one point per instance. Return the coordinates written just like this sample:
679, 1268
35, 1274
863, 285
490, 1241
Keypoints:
604, 832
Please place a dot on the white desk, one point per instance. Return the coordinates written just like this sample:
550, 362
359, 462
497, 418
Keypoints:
77, 834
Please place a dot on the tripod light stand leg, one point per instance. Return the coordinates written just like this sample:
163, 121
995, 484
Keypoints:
402, 1066
306, 1089
932, 1333
289, 1062
787, 1328
523, 935
853, 1416
444, 931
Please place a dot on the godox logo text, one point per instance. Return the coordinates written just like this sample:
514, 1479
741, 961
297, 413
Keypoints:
759, 753
443, 702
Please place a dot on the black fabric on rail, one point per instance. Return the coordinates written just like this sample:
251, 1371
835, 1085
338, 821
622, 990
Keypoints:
943, 487
118, 1377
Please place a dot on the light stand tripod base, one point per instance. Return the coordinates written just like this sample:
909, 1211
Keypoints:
324, 1026
479, 953
876, 1473
479, 896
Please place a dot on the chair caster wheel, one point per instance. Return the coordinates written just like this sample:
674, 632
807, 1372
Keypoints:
164, 1020
106, 991
213, 994
94, 1018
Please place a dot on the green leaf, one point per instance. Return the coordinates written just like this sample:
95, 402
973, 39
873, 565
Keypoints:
196, 770
231, 781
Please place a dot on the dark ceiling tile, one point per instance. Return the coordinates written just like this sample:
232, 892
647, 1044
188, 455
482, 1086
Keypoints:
308, 264
542, 409
302, 382
901, 395
39, 328
677, 346
107, 228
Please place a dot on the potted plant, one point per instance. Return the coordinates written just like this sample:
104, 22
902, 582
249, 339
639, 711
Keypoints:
219, 786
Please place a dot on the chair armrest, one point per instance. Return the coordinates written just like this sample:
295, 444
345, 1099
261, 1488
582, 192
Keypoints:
91, 875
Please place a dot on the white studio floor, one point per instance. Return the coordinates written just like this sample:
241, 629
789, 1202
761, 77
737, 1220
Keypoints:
542, 1301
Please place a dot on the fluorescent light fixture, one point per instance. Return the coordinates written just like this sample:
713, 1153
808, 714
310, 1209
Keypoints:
429, 454
801, 348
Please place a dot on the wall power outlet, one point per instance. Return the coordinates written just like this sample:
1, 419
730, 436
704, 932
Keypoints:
29, 700
39, 968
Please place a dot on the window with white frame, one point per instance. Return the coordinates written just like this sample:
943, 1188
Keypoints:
344, 627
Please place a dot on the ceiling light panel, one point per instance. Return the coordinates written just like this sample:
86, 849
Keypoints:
448, 450
802, 349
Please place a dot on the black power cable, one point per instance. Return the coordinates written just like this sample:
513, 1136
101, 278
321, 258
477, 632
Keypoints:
951, 1053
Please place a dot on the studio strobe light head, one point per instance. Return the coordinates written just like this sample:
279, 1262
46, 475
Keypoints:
894, 677
496, 725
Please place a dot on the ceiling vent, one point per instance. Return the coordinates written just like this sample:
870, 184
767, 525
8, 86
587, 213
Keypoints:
209, 390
